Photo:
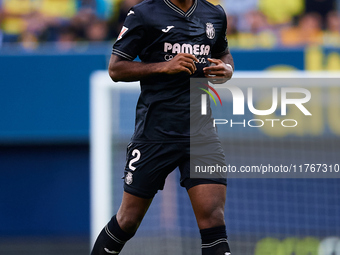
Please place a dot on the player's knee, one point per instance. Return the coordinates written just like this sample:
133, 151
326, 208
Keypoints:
211, 218
129, 223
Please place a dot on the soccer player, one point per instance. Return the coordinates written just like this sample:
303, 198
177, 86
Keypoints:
175, 41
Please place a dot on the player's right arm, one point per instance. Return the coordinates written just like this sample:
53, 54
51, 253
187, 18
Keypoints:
121, 69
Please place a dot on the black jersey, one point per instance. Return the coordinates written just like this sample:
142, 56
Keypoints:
157, 30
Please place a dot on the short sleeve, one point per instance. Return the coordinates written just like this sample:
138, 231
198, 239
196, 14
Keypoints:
130, 40
220, 47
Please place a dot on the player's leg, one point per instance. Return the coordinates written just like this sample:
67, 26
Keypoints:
147, 166
122, 226
208, 202
207, 193
131, 212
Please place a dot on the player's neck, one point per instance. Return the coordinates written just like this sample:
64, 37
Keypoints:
184, 5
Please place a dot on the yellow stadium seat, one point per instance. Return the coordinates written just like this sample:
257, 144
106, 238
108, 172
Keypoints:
13, 22
58, 8
281, 12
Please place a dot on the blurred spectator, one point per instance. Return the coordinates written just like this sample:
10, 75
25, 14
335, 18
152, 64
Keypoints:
35, 23
332, 33
81, 21
260, 33
28, 41
232, 25
232, 31
333, 22
251, 23
322, 7
281, 12
13, 21
1, 38
67, 38
307, 32
257, 22
97, 31
1, 34
55, 14
239, 9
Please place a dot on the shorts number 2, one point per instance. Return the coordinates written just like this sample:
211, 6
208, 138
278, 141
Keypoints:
136, 153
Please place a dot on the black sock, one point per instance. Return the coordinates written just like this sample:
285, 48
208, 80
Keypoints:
111, 239
214, 241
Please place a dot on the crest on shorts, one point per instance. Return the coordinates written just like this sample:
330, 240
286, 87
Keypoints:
210, 30
128, 178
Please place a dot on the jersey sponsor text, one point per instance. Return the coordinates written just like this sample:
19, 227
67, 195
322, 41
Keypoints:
195, 49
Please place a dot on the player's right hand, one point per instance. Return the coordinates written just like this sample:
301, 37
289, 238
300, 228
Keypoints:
182, 62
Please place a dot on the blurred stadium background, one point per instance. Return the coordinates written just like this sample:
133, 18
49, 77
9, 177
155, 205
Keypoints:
48, 50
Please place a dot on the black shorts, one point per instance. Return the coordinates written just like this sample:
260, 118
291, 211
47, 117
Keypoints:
148, 165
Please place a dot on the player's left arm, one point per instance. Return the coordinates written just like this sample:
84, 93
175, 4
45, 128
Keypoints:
221, 64
221, 69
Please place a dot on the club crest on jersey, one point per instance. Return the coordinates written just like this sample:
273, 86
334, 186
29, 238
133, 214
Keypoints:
128, 178
210, 30
122, 32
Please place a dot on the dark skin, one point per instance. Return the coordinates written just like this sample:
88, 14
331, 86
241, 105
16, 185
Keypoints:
208, 200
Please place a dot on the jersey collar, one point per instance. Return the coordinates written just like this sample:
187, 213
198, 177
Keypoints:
178, 10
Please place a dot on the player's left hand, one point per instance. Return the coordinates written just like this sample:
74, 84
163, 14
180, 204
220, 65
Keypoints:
218, 71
